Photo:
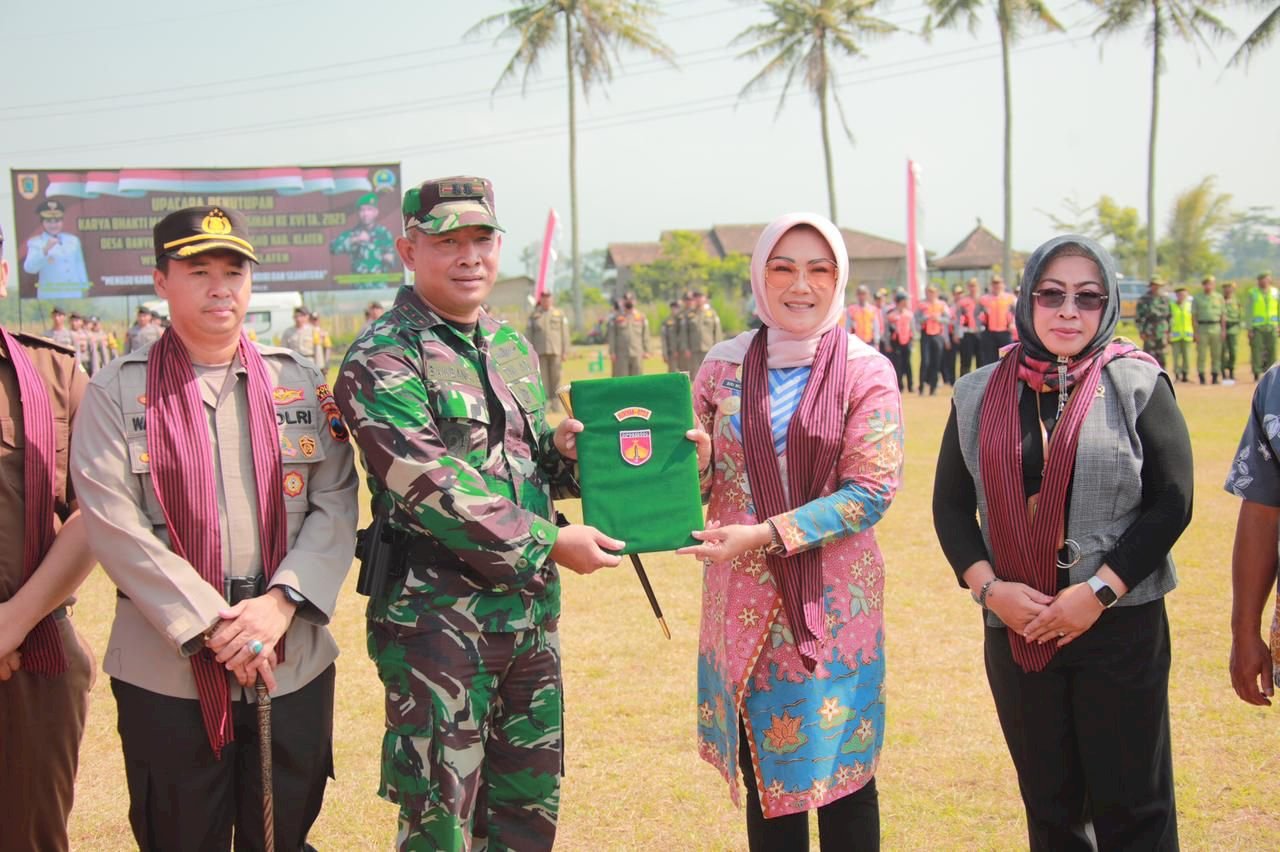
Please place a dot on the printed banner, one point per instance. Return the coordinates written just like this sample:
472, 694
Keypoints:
88, 233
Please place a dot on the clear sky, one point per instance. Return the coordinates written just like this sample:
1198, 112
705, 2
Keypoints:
315, 82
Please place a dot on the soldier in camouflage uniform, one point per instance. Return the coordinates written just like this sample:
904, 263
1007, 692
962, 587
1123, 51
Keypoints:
371, 246
1152, 317
628, 338
549, 334
448, 410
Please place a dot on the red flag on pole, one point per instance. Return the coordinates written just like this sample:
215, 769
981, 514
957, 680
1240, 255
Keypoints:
917, 267
548, 256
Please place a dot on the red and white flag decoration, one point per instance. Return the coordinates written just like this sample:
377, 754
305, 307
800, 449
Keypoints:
547, 259
917, 265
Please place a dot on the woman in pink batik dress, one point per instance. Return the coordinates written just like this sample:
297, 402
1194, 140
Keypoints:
800, 450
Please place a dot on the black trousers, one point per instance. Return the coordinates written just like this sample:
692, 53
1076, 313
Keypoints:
900, 355
849, 824
1089, 735
969, 359
181, 798
992, 342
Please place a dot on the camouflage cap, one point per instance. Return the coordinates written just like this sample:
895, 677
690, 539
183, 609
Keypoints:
446, 204
193, 230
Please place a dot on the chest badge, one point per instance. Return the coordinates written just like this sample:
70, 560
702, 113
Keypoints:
730, 405
284, 396
293, 483
636, 446
308, 446
286, 447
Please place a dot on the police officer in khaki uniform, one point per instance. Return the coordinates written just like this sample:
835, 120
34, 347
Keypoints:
548, 333
628, 339
670, 332
45, 670
1208, 310
146, 329
218, 487
686, 315
302, 337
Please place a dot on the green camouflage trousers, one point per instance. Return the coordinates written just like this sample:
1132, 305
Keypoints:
1155, 348
1262, 350
472, 750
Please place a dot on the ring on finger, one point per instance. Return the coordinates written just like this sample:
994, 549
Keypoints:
256, 646
1061, 634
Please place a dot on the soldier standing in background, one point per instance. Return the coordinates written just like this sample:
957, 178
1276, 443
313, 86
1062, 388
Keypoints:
1182, 332
1230, 331
548, 333
628, 338
465, 638
1264, 320
670, 334
1152, 318
1207, 308
702, 331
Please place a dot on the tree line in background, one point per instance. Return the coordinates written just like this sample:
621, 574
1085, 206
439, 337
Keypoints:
802, 38
1203, 235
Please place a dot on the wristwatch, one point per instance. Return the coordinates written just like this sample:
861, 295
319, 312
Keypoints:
1104, 593
292, 595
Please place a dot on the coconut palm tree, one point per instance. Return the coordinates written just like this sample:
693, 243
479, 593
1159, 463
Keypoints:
1256, 39
1011, 17
594, 31
803, 37
1189, 20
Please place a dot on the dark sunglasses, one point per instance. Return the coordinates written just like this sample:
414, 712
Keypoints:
1052, 297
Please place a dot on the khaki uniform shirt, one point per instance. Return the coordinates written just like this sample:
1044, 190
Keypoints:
1208, 307
671, 339
168, 604
140, 335
66, 383
549, 332
628, 335
300, 340
702, 330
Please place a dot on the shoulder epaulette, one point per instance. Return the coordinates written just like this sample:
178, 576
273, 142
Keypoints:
40, 340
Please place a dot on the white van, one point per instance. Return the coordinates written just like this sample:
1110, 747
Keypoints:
268, 316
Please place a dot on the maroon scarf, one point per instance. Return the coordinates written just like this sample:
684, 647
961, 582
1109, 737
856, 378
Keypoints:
1025, 549
182, 471
814, 439
42, 650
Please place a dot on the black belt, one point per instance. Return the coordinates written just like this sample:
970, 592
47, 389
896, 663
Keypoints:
260, 580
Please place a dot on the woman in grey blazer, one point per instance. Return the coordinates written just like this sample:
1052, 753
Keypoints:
1063, 481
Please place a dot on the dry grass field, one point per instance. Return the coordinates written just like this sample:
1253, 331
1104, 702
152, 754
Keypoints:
634, 781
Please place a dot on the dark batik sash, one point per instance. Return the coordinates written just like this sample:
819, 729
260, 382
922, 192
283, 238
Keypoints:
182, 472
1025, 548
42, 650
814, 439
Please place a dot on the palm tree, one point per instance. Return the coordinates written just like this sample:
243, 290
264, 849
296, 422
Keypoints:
594, 31
1259, 37
1011, 15
1188, 19
803, 37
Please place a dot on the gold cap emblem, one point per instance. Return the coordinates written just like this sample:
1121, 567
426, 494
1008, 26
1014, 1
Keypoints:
216, 223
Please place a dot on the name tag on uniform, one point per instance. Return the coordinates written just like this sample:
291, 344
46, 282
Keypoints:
453, 372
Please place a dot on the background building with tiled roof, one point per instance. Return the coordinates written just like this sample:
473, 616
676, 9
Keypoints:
975, 256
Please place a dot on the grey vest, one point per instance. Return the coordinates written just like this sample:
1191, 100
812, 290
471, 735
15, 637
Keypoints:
1106, 486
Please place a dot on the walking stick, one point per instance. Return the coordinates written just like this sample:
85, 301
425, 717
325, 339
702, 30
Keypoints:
264, 752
